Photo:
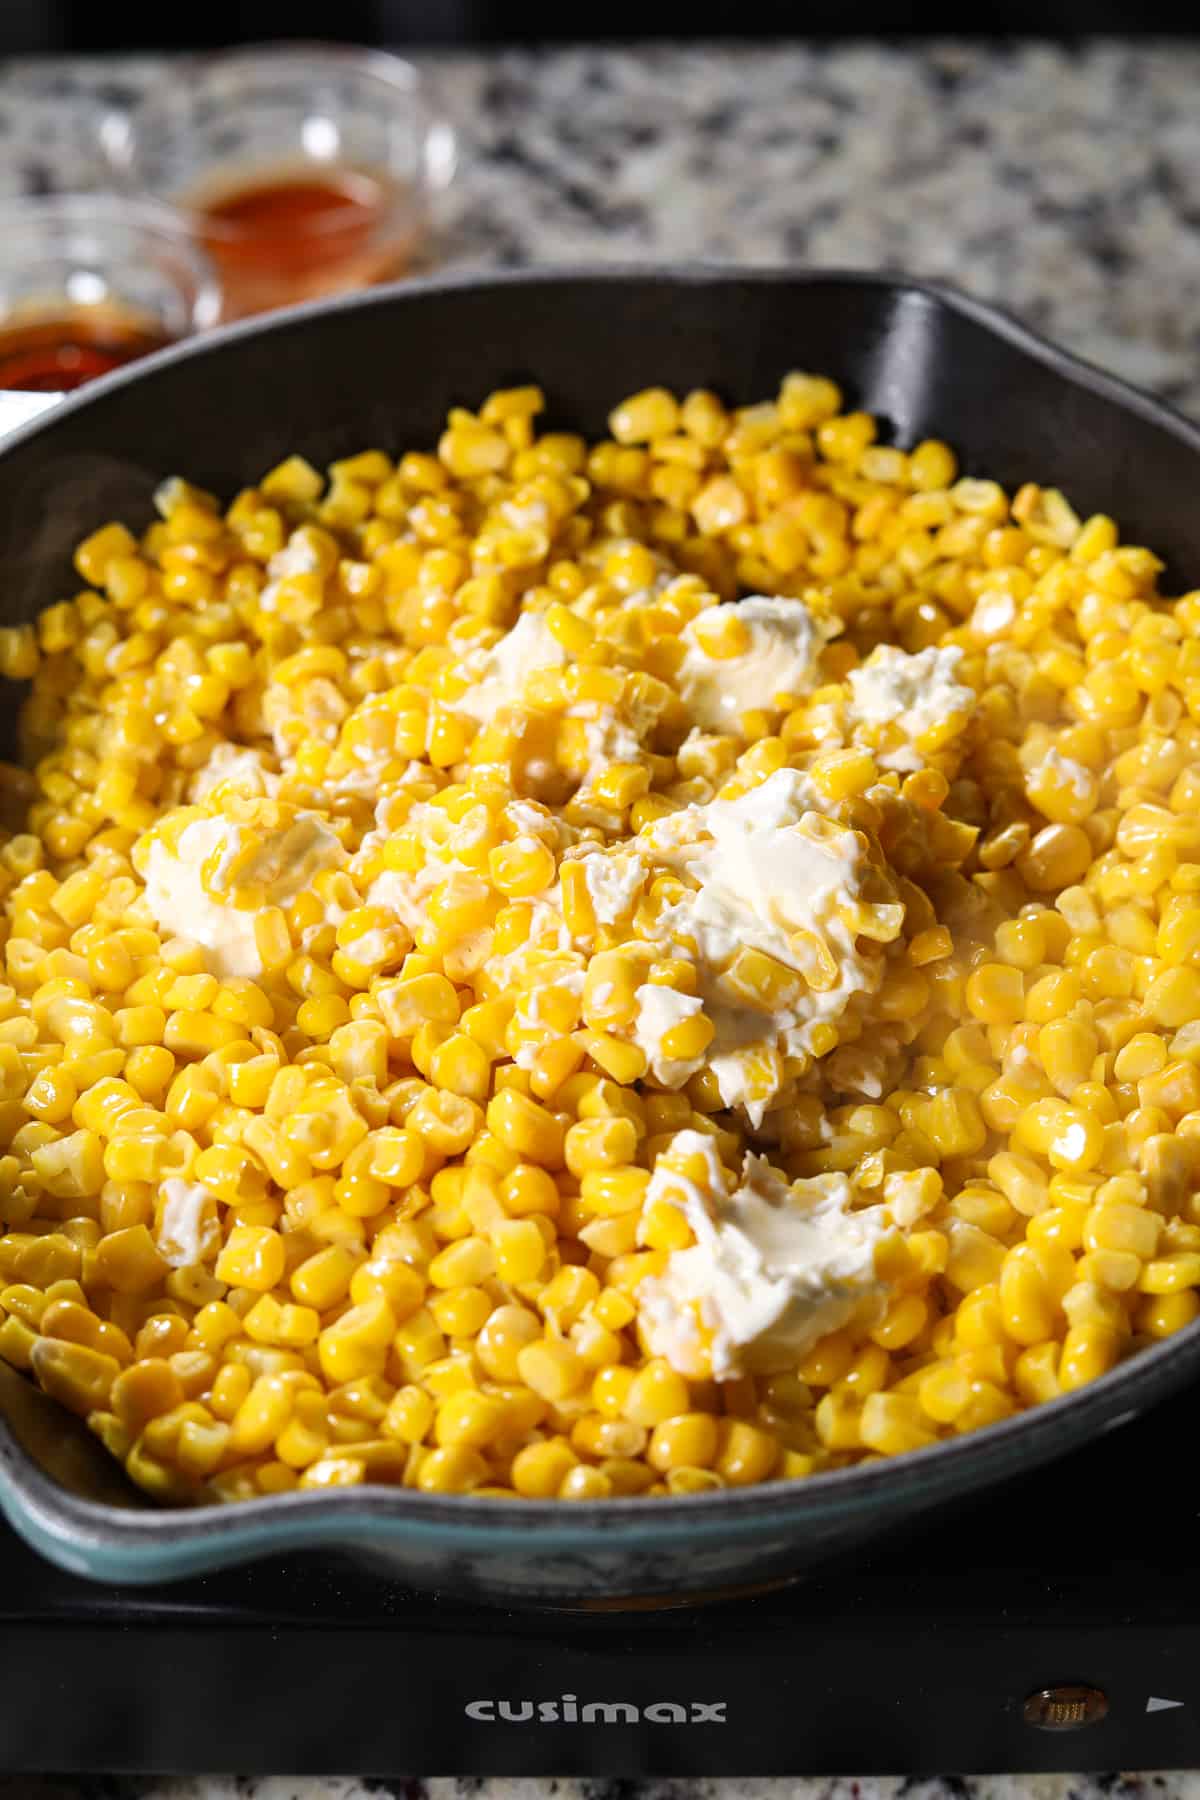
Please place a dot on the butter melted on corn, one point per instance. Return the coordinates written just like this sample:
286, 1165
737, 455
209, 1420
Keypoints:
581, 970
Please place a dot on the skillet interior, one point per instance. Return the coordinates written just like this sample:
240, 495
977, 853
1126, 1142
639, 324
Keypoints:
382, 368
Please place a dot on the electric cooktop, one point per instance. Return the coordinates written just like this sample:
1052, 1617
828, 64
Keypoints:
1053, 1624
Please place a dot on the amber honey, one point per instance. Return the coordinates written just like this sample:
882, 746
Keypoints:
297, 234
55, 351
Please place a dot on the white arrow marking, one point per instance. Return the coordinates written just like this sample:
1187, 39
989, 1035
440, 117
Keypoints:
1154, 1704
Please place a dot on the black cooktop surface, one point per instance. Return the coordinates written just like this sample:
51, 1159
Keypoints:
1081, 1580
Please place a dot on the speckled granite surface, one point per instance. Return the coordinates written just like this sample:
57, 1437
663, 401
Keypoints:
339, 1787
1062, 183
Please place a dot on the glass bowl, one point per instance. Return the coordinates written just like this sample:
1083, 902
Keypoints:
304, 170
91, 281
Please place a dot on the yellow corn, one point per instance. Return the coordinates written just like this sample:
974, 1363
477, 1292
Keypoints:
425, 1139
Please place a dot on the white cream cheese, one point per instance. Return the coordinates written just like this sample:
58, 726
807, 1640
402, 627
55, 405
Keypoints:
614, 881
182, 908
758, 879
314, 709
372, 949
609, 739
189, 1230
236, 766
732, 1077
285, 863
498, 676
773, 1269
912, 692
547, 939
1067, 772
786, 641
533, 821
551, 979
659, 1010
363, 777
407, 895
771, 875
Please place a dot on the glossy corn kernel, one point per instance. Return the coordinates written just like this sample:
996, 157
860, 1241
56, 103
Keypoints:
422, 1150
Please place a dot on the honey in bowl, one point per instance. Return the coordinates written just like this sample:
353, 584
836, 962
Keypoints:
52, 352
298, 233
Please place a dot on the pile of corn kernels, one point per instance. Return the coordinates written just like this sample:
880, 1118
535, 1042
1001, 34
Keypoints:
424, 1134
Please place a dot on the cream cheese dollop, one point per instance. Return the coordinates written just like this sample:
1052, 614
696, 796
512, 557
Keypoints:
912, 692
785, 643
498, 676
188, 1229
770, 874
284, 862
1066, 771
774, 1267
237, 766
659, 1010
614, 881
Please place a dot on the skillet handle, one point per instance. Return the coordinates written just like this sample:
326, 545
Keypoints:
18, 408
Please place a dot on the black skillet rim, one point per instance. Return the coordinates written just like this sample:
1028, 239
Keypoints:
121, 1543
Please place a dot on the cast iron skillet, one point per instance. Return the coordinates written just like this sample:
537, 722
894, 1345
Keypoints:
381, 368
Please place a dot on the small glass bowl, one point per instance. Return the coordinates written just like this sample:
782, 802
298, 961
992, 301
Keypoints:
104, 278
244, 144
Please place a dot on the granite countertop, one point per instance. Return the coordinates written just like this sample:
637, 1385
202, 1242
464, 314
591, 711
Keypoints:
1062, 183
842, 1787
